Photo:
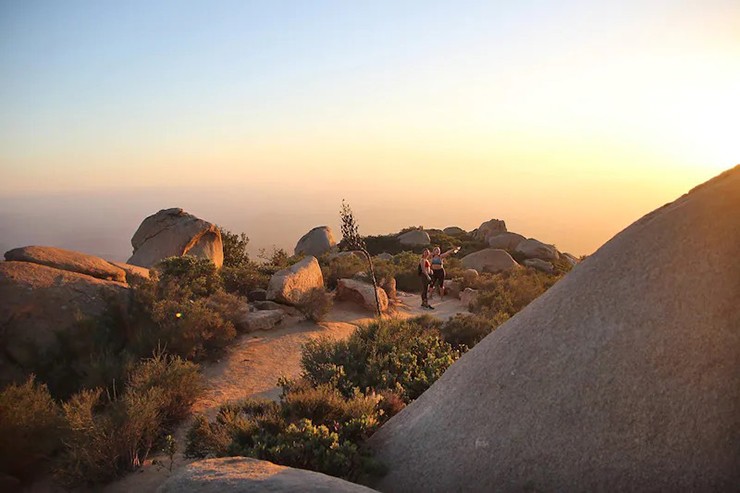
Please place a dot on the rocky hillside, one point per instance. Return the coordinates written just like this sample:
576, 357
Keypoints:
624, 376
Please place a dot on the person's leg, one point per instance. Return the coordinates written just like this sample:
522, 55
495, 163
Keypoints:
424, 291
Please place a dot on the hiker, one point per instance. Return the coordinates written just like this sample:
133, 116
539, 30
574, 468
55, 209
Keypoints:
425, 272
438, 270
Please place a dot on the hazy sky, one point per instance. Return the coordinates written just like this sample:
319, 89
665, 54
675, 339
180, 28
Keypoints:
567, 119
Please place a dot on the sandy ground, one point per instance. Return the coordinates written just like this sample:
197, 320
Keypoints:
256, 361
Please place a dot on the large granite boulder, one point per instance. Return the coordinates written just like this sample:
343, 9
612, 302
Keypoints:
453, 230
622, 377
68, 260
505, 241
37, 301
316, 242
416, 237
361, 293
490, 260
532, 248
490, 228
174, 233
293, 285
246, 475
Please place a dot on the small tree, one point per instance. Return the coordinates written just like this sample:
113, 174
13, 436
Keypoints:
351, 240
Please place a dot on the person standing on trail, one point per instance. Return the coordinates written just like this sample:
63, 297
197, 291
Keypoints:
438, 270
425, 272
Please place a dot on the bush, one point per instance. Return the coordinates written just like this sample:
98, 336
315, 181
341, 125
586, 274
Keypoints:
30, 421
188, 276
340, 267
244, 278
179, 380
235, 248
463, 331
509, 292
206, 440
406, 356
316, 304
189, 329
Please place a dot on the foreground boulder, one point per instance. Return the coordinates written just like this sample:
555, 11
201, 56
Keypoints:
361, 293
414, 237
532, 248
174, 233
490, 260
68, 260
245, 475
316, 242
293, 285
37, 302
490, 228
622, 377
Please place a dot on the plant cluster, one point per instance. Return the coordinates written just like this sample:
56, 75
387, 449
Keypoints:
347, 390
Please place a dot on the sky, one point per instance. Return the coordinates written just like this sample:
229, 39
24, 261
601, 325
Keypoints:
568, 119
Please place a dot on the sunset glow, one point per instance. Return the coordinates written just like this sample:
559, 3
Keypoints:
568, 120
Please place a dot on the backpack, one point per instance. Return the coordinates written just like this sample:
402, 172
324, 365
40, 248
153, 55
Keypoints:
418, 269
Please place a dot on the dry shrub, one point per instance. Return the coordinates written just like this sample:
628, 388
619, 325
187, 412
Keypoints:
316, 304
30, 422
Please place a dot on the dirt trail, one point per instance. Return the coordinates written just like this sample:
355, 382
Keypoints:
253, 365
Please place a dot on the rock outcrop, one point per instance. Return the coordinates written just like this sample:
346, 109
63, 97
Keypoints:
37, 302
622, 377
245, 475
490, 260
174, 233
453, 230
539, 264
532, 248
490, 228
261, 320
469, 296
134, 273
505, 241
414, 237
361, 293
316, 242
68, 260
293, 285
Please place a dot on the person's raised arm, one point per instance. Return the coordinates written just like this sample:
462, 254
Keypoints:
450, 251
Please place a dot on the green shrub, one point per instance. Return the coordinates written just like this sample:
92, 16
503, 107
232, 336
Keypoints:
401, 355
206, 440
307, 446
235, 248
316, 304
463, 331
340, 267
188, 276
30, 422
509, 292
244, 278
229, 306
189, 329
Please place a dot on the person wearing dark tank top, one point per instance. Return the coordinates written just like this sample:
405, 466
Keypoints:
438, 270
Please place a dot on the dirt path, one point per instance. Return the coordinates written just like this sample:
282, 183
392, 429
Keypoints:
253, 365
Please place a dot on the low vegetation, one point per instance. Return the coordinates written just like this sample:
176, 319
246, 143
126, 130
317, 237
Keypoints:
347, 390
115, 387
